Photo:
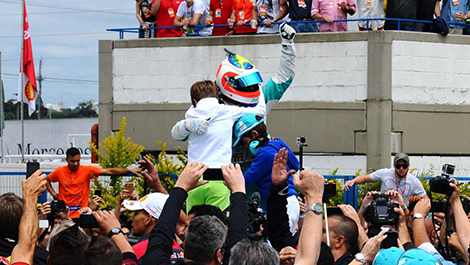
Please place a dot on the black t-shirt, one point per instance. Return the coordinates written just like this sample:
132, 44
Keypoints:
40, 254
400, 9
146, 16
426, 9
300, 9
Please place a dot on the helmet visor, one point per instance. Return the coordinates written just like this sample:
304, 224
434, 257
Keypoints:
248, 80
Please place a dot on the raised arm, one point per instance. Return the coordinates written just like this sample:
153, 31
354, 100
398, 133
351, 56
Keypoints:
311, 185
462, 224
238, 219
29, 225
278, 84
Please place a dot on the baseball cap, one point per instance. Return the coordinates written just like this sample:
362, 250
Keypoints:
245, 124
152, 203
401, 156
417, 256
388, 256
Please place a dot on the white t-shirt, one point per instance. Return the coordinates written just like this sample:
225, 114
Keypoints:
214, 147
407, 187
198, 7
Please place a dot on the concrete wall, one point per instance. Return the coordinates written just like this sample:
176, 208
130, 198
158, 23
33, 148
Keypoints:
362, 93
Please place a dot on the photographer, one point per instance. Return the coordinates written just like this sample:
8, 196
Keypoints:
397, 178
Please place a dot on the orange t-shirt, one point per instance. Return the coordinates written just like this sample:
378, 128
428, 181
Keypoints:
74, 186
243, 11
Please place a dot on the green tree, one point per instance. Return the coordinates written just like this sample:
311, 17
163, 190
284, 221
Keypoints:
119, 152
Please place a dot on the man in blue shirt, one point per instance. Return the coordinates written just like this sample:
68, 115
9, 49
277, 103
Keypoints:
250, 132
455, 11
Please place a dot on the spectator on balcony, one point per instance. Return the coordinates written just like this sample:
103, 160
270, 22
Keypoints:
330, 10
426, 11
146, 20
165, 12
220, 11
193, 13
370, 9
242, 11
455, 11
266, 12
299, 11
406, 9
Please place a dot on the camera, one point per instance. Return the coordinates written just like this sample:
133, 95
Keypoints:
58, 206
381, 211
440, 184
302, 141
329, 191
256, 217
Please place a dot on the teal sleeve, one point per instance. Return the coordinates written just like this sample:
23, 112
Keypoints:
273, 91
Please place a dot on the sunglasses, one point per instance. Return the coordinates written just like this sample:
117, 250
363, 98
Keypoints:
403, 166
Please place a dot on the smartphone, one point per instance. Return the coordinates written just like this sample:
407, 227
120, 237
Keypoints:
438, 207
88, 221
130, 188
31, 167
213, 174
98, 193
390, 241
333, 211
329, 191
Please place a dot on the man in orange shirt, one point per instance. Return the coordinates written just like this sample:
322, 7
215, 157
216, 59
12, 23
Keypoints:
74, 181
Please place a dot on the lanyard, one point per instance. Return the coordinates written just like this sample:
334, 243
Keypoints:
404, 186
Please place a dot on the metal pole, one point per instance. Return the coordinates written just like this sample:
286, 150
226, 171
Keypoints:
22, 85
40, 89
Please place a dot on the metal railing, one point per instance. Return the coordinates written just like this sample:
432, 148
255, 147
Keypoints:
197, 28
11, 182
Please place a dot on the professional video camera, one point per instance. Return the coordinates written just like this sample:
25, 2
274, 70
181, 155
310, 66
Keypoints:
380, 212
256, 217
440, 184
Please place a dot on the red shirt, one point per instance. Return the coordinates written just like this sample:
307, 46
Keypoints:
243, 11
222, 10
165, 17
141, 247
74, 186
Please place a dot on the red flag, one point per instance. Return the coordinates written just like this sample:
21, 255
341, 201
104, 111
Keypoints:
27, 92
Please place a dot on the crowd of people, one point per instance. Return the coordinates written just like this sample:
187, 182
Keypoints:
207, 218
176, 18
210, 235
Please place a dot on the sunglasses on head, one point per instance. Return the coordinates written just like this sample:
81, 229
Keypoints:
403, 166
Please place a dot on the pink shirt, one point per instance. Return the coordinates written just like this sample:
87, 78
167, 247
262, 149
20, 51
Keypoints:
330, 8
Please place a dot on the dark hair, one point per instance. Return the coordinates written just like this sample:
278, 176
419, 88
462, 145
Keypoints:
11, 210
67, 247
72, 151
257, 252
206, 235
326, 257
102, 249
203, 89
261, 129
348, 228
205, 209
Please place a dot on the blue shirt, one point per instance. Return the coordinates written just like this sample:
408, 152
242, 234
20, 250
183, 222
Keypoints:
260, 170
449, 10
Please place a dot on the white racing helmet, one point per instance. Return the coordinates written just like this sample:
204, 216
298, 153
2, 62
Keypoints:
238, 80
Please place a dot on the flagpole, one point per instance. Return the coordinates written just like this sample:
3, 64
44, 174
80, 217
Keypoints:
22, 85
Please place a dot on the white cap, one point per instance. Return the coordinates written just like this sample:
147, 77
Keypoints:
152, 203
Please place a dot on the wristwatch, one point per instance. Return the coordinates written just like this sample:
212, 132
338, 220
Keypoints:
316, 208
361, 258
418, 216
115, 231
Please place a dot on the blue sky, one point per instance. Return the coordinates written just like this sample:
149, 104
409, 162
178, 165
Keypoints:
65, 35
